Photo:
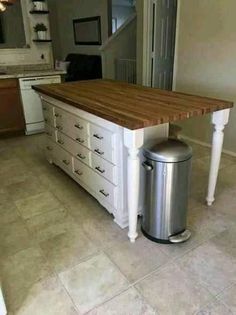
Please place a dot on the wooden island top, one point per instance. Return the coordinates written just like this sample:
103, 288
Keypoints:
131, 106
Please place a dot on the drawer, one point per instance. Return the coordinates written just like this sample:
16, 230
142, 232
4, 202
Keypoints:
49, 149
104, 168
104, 189
101, 135
49, 118
103, 149
82, 172
47, 108
63, 158
50, 132
74, 148
79, 126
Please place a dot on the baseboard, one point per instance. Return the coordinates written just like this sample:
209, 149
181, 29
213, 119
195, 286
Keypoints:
205, 144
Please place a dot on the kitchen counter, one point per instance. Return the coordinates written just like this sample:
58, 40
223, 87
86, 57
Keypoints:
30, 73
131, 106
110, 119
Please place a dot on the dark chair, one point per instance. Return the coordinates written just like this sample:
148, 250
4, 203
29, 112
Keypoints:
83, 67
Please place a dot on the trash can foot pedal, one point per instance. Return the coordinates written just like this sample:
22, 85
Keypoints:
180, 238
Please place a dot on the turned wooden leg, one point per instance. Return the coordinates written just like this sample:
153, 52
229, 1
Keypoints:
133, 140
219, 119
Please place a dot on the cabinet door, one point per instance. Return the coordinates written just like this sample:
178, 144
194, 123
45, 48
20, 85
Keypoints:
11, 112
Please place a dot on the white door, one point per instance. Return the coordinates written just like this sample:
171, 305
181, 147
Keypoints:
159, 42
164, 43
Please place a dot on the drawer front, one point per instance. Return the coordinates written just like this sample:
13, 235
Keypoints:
47, 108
49, 149
77, 150
104, 189
103, 149
49, 118
79, 126
50, 132
63, 158
104, 168
101, 135
82, 172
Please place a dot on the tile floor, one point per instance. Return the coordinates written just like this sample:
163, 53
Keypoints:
61, 253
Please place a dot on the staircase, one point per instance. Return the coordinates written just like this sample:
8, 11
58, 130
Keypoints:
119, 53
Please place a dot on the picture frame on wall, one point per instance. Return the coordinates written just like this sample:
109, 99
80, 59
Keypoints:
87, 31
2, 40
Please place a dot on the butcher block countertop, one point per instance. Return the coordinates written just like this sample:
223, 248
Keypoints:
131, 106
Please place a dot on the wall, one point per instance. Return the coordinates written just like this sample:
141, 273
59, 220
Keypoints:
122, 13
13, 27
62, 26
121, 45
205, 60
33, 54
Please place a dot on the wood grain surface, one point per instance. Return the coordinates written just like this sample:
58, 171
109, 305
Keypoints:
131, 106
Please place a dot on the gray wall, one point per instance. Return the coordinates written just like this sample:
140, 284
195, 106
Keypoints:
122, 13
205, 64
62, 14
13, 28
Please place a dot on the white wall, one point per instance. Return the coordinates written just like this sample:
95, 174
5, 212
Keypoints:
206, 60
61, 21
33, 54
122, 13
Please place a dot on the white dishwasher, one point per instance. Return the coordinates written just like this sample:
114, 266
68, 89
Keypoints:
32, 104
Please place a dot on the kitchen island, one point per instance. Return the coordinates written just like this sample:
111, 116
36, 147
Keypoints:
96, 130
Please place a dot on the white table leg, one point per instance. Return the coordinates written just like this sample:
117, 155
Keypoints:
3, 310
133, 140
219, 119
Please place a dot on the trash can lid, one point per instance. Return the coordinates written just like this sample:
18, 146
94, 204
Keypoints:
169, 151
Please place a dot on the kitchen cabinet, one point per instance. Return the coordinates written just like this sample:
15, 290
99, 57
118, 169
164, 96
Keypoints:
11, 111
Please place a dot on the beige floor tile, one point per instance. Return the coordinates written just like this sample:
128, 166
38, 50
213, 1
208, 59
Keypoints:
225, 241
19, 273
226, 201
13, 238
68, 249
215, 308
37, 204
128, 303
138, 259
47, 297
104, 232
24, 189
208, 221
227, 177
50, 224
210, 266
93, 282
8, 213
228, 297
170, 291
178, 250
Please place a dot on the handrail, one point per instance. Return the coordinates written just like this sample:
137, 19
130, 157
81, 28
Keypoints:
120, 29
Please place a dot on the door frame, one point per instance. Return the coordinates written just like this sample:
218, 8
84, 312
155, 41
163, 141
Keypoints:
147, 43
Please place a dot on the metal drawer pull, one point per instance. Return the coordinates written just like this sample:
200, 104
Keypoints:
97, 136
79, 126
98, 152
59, 127
81, 156
102, 191
66, 162
79, 140
99, 169
45, 108
45, 119
57, 115
49, 148
79, 173
60, 141
48, 133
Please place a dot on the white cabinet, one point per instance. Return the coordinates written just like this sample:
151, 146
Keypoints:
92, 151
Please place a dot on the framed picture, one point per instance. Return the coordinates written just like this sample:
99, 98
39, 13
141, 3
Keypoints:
87, 31
2, 41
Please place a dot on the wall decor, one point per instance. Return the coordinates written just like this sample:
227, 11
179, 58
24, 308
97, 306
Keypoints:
87, 31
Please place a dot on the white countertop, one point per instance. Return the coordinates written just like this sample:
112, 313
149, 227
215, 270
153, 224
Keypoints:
31, 73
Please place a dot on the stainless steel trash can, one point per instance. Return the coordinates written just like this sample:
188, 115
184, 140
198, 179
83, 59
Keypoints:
167, 171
